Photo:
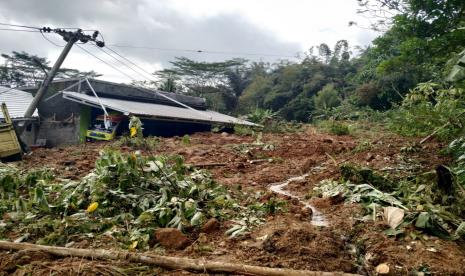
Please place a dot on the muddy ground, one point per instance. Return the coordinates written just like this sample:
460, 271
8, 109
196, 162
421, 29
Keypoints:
287, 239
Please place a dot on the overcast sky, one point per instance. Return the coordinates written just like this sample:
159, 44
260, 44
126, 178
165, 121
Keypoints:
235, 28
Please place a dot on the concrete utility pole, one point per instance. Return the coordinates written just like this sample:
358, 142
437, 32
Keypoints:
70, 38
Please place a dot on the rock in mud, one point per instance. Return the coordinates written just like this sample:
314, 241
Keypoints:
295, 201
306, 212
69, 163
382, 269
210, 226
328, 140
309, 163
370, 157
171, 238
336, 199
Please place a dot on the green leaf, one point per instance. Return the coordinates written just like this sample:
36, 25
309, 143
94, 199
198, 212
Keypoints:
460, 232
423, 220
195, 220
393, 232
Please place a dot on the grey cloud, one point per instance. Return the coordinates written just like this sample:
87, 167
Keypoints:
140, 23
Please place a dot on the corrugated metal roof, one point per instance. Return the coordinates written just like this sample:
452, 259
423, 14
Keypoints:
155, 110
125, 92
17, 102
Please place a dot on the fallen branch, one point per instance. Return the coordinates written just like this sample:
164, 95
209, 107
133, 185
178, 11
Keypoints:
332, 158
165, 262
434, 133
438, 129
205, 165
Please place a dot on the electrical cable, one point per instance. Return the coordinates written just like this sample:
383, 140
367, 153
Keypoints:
161, 94
151, 78
103, 61
61, 46
38, 28
165, 49
128, 60
202, 51
91, 54
17, 30
21, 26
121, 62
131, 78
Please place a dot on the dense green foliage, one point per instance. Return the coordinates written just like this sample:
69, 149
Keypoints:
430, 106
22, 69
125, 197
420, 42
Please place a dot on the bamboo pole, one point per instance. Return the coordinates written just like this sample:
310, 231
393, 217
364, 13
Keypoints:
166, 262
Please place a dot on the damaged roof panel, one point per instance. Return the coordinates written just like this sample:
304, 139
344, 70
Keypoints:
17, 102
159, 111
122, 91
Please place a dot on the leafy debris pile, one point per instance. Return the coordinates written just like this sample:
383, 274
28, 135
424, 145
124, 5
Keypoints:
420, 201
124, 199
430, 107
257, 145
457, 148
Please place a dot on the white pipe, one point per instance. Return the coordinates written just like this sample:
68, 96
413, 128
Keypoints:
105, 115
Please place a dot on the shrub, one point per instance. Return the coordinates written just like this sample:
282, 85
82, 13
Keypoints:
335, 127
339, 128
367, 95
327, 98
137, 143
428, 107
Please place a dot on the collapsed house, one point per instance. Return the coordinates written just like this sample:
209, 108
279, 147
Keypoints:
73, 107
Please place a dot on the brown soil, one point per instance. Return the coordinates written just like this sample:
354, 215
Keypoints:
288, 239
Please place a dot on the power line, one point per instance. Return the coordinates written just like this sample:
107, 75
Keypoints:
89, 53
17, 30
121, 62
128, 60
21, 26
201, 51
115, 68
94, 56
42, 33
159, 48
38, 28
157, 92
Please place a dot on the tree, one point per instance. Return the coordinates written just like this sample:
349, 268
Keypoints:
289, 87
422, 36
196, 75
204, 78
21, 69
327, 98
253, 95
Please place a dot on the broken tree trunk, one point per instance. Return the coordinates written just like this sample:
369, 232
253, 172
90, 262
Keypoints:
205, 165
439, 128
164, 261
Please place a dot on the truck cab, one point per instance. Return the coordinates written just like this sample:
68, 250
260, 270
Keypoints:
97, 131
